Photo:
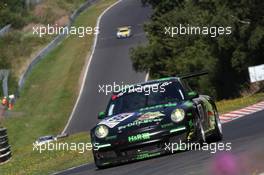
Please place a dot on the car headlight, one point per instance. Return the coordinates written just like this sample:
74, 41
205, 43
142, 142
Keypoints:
177, 115
101, 131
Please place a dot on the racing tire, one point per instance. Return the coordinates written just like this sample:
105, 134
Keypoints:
98, 165
200, 133
218, 131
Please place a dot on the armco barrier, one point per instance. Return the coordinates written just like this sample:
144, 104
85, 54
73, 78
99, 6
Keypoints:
32, 2
52, 44
5, 29
5, 148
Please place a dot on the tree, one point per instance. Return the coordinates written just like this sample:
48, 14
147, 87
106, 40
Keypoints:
227, 57
12, 12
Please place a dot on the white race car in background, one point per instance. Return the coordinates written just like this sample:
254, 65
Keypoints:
124, 32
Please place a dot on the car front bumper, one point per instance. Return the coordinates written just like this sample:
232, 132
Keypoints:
123, 153
123, 36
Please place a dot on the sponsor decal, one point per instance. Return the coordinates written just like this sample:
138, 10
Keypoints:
115, 120
147, 155
159, 106
188, 104
139, 137
140, 122
151, 115
178, 129
167, 125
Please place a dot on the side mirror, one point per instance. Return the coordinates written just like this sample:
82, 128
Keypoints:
101, 115
192, 95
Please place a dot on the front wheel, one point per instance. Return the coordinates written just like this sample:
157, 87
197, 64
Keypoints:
98, 164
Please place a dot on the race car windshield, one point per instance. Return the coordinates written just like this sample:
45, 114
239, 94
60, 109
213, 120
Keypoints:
170, 92
124, 30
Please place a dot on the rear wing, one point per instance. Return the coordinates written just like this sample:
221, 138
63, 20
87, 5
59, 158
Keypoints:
191, 75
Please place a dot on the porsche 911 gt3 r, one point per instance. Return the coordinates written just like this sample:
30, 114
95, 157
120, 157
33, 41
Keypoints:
124, 32
136, 126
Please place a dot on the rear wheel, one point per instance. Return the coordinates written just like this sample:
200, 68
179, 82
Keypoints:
218, 131
200, 134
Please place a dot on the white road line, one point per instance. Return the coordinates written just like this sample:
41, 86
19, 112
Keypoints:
248, 110
240, 113
232, 115
88, 65
227, 116
254, 108
225, 119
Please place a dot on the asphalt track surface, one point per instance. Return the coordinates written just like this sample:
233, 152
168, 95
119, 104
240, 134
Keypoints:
246, 156
110, 62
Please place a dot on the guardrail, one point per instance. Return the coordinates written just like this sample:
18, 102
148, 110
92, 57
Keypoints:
32, 2
4, 74
52, 44
5, 29
5, 148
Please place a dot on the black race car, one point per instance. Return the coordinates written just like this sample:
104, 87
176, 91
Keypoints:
143, 119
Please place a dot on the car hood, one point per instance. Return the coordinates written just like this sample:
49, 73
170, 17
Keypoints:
149, 116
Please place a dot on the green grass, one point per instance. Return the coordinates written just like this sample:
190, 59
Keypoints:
49, 11
26, 161
47, 101
19, 46
225, 106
